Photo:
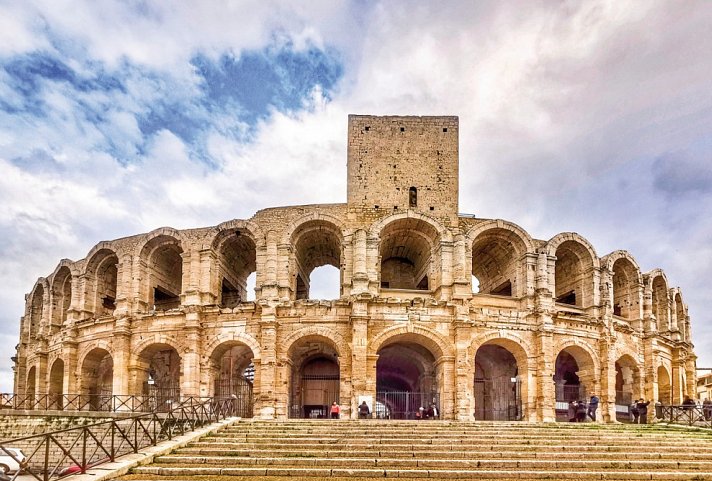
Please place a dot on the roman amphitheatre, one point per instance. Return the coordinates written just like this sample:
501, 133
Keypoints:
472, 315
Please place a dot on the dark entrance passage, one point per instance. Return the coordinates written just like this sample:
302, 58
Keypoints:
235, 377
573, 379
315, 380
497, 386
405, 382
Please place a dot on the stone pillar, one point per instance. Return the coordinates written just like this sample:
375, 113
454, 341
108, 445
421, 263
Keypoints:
461, 288
464, 369
445, 366
546, 357
268, 388
190, 359
123, 285
360, 271
373, 264
208, 282
121, 356
190, 282
446, 273
607, 393
371, 374
72, 371
691, 375
359, 353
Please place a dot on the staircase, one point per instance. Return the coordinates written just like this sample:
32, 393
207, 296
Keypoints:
438, 450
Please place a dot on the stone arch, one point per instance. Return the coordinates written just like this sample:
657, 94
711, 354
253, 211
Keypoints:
377, 228
576, 369
36, 308
232, 372
322, 332
56, 383
157, 370
660, 304
496, 249
314, 359
316, 241
436, 343
97, 377
680, 310
236, 250
161, 266
248, 227
576, 261
102, 282
628, 380
627, 283
497, 357
664, 385
235, 337
60, 294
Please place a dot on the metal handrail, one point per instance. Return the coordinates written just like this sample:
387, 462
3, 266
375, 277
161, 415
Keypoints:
686, 414
87, 446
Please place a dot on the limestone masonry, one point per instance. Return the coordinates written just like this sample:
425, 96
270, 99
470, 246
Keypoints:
470, 316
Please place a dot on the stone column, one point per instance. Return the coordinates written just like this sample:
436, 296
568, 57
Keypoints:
445, 366
607, 394
464, 369
359, 353
268, 388
360, 272
546, 357
461, 288
446, 273
121, 384
190, 359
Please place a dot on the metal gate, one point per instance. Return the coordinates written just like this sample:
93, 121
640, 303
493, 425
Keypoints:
405, 404
500, 399
161, 399
314, 397
566, 393
240, 393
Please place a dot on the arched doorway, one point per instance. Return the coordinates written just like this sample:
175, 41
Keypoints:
315, 380
573, 378
406, 380
56, 385
627, 386
159, 367
497, 387
30, 388
664, 388
97, 380
410, 255
234, 377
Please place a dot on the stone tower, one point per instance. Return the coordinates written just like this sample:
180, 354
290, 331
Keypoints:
397, 163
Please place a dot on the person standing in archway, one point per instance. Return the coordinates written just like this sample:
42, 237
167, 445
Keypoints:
335, 410
643, 411
592, 407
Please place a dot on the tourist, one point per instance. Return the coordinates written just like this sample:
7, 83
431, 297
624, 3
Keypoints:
572, 411
633, 409
643, 411
432, 411
707, 409
421, 413
592, 407
335, 410
580, 412
363, 411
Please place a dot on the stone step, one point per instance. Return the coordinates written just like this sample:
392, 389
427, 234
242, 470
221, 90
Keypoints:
563, 452
184, 473
413, 463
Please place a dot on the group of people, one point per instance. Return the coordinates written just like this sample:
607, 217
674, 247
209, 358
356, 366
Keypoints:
579, 410
430, 413
364, 412
639, 410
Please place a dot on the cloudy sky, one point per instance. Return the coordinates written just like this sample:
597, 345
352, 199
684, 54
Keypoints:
117, 117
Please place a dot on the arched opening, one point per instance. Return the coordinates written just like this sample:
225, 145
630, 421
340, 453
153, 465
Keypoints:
660, 303
61, 297
627, 386
165, 272
315, 380
495, 262
664, 387
237, 260
572, 274
56, 385
406, 380
159, 368
97, 380
680, 316
30, 388
626, 298
498, 394
36, 311
573, 378
233, 369
103, 268
324, 283
316, 244
409, 253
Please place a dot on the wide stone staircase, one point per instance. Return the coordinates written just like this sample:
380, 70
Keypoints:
438, 449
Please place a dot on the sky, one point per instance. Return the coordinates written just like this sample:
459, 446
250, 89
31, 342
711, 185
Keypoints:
118, 117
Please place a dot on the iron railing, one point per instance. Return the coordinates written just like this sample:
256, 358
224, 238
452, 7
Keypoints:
75, 450
690, 415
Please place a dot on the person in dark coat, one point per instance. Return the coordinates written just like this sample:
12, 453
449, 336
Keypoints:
572, 411
643, 411
634, 412
580, 412
363, 410
592, 407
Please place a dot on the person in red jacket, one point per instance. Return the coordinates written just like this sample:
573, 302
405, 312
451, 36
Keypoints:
335, 410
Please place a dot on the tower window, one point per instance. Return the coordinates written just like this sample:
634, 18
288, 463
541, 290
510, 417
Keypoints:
413, 197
